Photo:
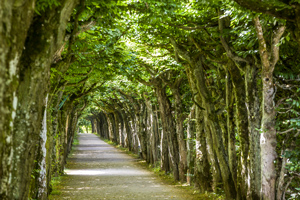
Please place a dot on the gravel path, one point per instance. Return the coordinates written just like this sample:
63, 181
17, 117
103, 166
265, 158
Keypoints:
97, 170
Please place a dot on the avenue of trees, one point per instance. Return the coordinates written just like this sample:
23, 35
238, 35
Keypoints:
207, 90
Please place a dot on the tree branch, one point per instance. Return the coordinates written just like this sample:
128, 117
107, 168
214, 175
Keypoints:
205, 53
262, 44
193, 28
275, 47
181, 51
229, 52
194, 100
289, 130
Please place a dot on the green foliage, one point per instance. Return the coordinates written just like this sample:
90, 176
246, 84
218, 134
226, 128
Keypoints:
83, 123
42, 5
294, 158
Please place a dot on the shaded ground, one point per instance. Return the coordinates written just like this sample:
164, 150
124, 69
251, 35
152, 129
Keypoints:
96, 170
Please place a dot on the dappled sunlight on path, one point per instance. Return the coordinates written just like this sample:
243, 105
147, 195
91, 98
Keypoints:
96, 170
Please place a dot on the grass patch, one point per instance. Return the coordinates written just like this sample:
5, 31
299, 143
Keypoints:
56, 187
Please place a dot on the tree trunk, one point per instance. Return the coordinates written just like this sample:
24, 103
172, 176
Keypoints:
231, 129
214, 128
93, 125
179, 130
121, 128
203, 148
128, 136
39, 183
157, 132
116, 127
213, 158
254, 121
12, 39
202, 167
190, 144
211, 119
168, 128
46, 33
104, 128
242, 127
110, 121
165, 164
268, 132
151, 130
142, 130
135, 128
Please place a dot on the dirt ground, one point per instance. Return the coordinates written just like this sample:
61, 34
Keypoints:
97, 170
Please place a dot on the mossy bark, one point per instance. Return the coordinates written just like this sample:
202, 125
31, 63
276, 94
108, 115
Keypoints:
12, 39
31, 70
142, 132
215, 129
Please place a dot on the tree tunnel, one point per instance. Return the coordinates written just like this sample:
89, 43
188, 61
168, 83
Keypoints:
206, 90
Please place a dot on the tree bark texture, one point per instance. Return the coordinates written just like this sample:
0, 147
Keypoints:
151, 131
12, 39
142, 132
46, 33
